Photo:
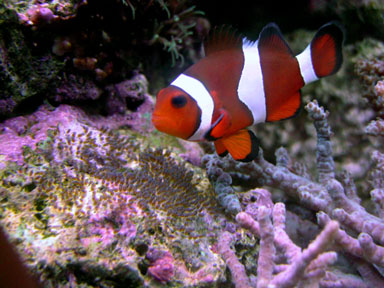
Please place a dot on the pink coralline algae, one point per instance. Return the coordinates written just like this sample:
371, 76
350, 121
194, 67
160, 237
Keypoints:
31, 129
38, 15
129, 94
162, 268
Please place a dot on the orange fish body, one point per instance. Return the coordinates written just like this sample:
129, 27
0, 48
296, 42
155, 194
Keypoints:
241, 83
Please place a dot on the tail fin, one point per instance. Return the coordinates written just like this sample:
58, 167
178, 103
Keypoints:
324, 55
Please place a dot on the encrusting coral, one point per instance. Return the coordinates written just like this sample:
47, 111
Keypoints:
84, 199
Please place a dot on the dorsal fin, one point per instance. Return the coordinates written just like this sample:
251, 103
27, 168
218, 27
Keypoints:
272, 39
222, 38
281, 74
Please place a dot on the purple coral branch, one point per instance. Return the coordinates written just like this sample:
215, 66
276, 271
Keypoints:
282, 240
348, 243
295, 271
324, 158
237, 269
312, 194
247, 222
267, 248
363, 247
377, 196
333, 280
370, 275
318, 266
307, 264
349, 187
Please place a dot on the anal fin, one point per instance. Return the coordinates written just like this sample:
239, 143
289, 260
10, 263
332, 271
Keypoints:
243, 145
288, 108
220, 148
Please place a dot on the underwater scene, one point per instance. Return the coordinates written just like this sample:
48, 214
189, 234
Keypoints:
191, 143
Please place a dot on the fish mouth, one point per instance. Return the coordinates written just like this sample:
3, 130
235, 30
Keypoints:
158, 121
156, 118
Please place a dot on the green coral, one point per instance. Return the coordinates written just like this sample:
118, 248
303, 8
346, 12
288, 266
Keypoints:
177, 30
162, 4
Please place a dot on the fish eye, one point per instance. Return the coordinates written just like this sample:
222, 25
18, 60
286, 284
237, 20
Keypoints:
179, 101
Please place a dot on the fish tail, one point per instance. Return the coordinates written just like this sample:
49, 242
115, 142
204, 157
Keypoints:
323, 56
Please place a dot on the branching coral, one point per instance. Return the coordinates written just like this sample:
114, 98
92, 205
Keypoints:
222, 184
307, 266
371, 73
303, 268
237, 269
332, 198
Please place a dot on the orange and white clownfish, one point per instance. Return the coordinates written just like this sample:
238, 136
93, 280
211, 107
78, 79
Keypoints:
240, 83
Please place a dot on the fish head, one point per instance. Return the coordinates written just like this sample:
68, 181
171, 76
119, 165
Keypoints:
176, 113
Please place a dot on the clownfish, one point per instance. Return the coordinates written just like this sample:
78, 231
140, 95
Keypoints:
240, 83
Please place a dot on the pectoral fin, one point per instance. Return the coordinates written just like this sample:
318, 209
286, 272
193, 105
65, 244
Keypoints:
220, 126
243, 146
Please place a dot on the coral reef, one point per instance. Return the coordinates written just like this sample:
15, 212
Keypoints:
127, 94
76, 190
371, 73
84, 201
92, 196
